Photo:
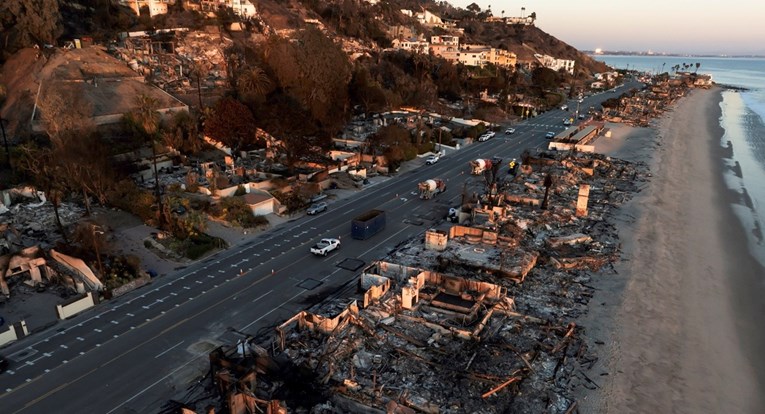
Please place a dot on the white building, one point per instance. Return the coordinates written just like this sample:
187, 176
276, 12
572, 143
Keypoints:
425, 18
473, 55
242, 8
445, 40
414, 45
555, 63
156, 7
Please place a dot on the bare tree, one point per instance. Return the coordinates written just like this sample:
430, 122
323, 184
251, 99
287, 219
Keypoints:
64, 112
40, 164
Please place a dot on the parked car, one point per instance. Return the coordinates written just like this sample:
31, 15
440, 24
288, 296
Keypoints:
316, 208
550, 135
432, 159
510, 131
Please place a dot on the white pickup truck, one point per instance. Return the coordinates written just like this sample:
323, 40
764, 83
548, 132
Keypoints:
324, 246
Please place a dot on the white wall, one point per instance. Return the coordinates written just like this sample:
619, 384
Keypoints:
73, 308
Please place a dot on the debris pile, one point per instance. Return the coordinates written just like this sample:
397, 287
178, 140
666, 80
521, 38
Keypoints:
174, 59
31, 221
478, 317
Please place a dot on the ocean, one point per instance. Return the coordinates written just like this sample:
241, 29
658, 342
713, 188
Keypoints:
743, 119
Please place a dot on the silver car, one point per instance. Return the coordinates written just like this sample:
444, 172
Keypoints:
316, 208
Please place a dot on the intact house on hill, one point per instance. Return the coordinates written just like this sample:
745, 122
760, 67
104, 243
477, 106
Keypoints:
555, 63
449, 48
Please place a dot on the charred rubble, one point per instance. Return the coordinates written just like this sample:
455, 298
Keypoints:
477, 316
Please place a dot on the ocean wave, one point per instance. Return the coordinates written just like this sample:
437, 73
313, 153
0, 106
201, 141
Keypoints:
744, 142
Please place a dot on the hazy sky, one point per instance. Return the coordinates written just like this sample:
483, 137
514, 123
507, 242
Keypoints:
672, 26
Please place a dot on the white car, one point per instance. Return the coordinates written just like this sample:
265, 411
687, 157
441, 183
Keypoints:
324, 246
486, 136
432, 159
510, 131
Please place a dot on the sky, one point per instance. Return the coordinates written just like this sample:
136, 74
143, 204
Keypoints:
731, 27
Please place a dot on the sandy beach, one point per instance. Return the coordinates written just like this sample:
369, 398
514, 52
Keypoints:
679, 326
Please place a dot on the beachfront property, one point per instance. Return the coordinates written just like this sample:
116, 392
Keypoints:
444, 299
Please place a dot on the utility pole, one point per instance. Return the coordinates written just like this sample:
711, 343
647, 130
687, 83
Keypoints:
95, 245
5, 141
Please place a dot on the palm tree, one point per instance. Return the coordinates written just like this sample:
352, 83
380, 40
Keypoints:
698, 64
147, 118
253, 83
503, 15
523, 11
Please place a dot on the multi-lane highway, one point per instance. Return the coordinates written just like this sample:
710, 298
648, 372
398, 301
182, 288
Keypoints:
131, 354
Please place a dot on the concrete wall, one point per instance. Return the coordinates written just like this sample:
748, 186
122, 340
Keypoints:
473, 235
436, 240
76, 306
376, 286
264, 207
562, 146
218, 145
392, 270
15, 331
132, 285
456, 285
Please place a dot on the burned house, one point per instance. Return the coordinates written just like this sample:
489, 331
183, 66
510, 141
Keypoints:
472, 317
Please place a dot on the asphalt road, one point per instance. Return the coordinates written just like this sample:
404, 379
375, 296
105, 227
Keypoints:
131, 354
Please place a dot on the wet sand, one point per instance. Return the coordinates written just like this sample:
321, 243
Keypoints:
682, 318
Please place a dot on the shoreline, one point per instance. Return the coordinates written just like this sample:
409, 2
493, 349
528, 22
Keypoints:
677, 319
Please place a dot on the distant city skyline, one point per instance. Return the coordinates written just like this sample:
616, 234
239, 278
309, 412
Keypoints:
661, 26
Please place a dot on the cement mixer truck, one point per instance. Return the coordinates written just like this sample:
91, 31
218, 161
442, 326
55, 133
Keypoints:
479, 166
430, 188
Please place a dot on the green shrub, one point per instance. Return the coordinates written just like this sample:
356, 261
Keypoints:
196, 247
410, 152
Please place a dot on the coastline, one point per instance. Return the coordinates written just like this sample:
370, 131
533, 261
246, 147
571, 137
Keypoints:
679, 318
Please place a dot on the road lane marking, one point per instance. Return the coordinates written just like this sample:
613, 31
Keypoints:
382, 242
256, 320
156, 382
262, 296
167, 350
